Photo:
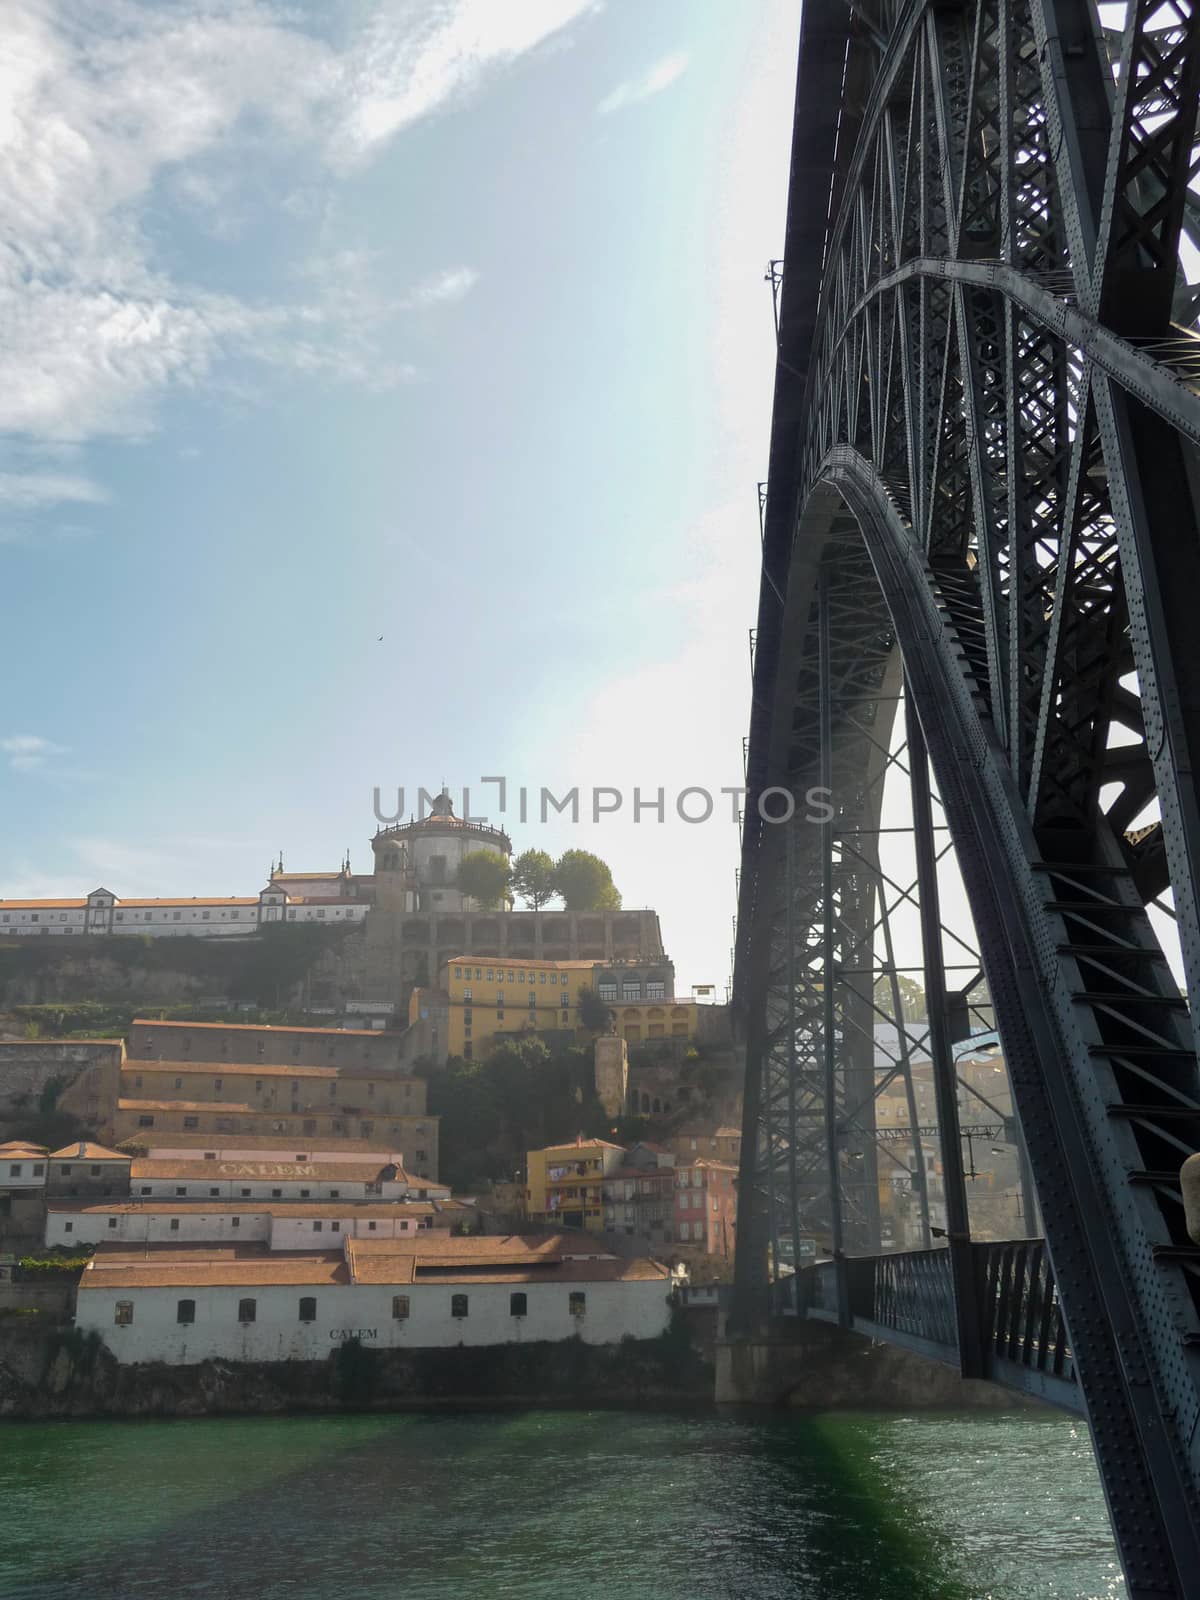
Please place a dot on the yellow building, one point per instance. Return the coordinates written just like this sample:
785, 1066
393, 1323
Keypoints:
489, 997
662, 1019
565, 1183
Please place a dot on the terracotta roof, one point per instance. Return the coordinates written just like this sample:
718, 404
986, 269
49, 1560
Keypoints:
496, 962
38, 1044
273, 1208
180, 901
587, 1144
41, 905
260, 1171
263, 1069
348, 1149
262, 1027
324, 900
203, 1268
193, 1105
246, 1069
19, 1147
83, 1150
639, 1268
705, 1161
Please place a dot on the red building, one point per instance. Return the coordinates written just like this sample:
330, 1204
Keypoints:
706, 1206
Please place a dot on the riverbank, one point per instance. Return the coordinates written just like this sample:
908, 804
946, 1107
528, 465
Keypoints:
49, 1373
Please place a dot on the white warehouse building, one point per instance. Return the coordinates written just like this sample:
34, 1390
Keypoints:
235, 1304
280, 1225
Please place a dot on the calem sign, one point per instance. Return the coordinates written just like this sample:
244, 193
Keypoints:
353, 1333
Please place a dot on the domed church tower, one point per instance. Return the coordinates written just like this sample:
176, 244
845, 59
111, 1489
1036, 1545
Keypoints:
426, 853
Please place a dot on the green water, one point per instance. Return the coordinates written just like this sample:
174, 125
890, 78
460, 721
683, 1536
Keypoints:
620, 1506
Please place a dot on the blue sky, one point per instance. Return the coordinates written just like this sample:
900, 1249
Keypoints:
439, 321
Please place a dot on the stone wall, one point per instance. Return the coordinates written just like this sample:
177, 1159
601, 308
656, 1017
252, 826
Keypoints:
56, 1371
81, 1075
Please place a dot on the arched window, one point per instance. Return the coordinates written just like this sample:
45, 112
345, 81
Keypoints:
185, 1311
308, 1308
247, 1310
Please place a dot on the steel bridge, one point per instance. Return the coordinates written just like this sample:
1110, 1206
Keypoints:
978, 642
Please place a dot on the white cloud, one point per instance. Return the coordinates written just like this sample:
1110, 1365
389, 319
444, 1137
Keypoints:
660, 76
104, 106
26, 491
28, 751
443, 288
417, 55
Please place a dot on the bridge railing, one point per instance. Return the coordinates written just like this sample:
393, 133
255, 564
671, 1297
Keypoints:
908, 1298
1022, 1318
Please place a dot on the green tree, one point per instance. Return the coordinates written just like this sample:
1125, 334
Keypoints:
912, 996
585, 882
533, 878
484, 875
594, 1013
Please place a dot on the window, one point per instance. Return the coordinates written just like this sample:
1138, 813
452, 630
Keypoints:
541, 977
68, 1227
245, 1194
399, 1307
308, 1308
176, 915
518, 1305
95, 1171
247, 1310
214, 1193
112, 1222
174, 1224
185, 1311
607, 991
191, 1122
305, 1194
631, 991
39, 1169
182, 1189
123, 1313
217, 1083
578, 1303
335, 1194
317, 1227
371, 1227
14, 1169
420, 1155
145, 1188
145, 1122
335, 1227
511, 979
656, 991
276, 1194
458, 1305
236, 1222
491, 975
554, 977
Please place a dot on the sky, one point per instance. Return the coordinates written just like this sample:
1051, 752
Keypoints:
383, 391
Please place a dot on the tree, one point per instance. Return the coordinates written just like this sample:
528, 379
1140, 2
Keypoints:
585, 882
533, 878
912, 996
484, 876
594, 1013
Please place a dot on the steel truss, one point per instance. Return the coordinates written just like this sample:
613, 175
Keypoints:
983, 487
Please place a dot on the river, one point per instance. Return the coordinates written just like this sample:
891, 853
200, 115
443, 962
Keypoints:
541, 1504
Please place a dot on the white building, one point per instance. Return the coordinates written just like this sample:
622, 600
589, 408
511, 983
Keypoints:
237, 916
184, 1306
280, 1225
264, 1171
22, 1165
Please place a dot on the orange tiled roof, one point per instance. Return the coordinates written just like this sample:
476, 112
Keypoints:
193, 1105
83, 1150
162, 1206
42, 905
191, 900
164, 1138
260, 1171
204, 1268
264, 1027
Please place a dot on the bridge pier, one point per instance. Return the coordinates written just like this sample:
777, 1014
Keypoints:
815, 1366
